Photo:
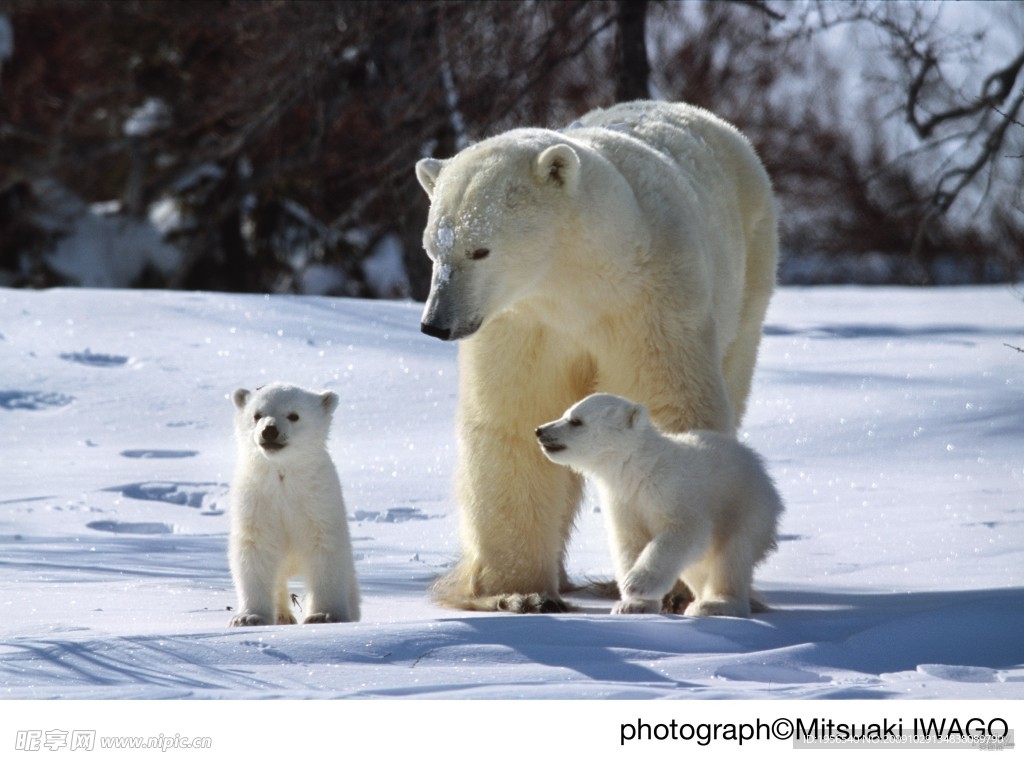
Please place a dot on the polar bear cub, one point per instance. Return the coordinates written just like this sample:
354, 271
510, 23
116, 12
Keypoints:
287, 512
696, 506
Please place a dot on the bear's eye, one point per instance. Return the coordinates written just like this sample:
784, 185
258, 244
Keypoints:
575, 422
293, 417
480, 253
257, 417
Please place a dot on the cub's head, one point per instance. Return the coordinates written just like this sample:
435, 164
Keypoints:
599, 428
499, 212
279, 420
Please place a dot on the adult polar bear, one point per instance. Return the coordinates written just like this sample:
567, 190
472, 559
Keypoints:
632, 253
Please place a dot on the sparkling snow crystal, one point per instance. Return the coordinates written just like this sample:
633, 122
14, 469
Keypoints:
445, 237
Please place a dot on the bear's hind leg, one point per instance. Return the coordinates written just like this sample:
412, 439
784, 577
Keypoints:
677, 599
759, 283
328, 578
726, 589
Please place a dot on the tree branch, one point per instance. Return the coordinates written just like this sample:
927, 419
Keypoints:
989, 98
763, 7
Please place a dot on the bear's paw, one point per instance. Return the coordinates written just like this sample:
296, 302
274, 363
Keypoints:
531, 603
324, 617
732, 607
637, 606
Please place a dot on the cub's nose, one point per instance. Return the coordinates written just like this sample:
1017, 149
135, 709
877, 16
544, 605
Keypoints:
270, 432
538, 432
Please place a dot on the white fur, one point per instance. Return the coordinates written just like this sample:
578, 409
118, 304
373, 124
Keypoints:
635, 254
287, 513
697, 506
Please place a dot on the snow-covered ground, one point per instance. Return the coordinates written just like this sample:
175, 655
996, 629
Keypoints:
892, 420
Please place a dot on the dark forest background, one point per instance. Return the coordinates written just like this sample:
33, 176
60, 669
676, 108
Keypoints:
269, 146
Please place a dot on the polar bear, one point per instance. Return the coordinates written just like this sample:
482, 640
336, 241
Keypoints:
633, 253
697, 506
287, 512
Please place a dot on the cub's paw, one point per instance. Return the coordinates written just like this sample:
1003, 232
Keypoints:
637, 606
248, 620
531, 603
732, 607
640, 583
323, 617
286, 618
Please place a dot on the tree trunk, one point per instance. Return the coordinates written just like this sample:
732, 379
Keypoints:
632, 69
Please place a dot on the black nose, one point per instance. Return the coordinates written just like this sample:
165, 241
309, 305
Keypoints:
269, 432
442, 333
538, 432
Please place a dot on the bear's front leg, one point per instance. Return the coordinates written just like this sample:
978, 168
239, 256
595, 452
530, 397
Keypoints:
254, 571
659, 565
517, 508
515, 513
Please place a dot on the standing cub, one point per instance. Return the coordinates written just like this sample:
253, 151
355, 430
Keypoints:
696, 506
287, 513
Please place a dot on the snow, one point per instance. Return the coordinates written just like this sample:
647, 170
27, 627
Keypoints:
149, 118
892, 420
384, 269
96, 246
322, 279
445, 237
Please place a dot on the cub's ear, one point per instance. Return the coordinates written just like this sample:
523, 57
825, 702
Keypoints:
329, 401
633, 415
559, 165
427, 170
240, 397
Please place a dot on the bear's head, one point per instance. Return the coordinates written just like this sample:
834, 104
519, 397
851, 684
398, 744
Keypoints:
498, 211
599, 427
280, 421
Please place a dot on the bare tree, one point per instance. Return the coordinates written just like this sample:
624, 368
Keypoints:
632, 69
287, 131
960, 91
978, 115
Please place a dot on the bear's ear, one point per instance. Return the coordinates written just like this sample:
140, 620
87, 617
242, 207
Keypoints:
240, 397
329, 401
427, 170
559, 165
633, 415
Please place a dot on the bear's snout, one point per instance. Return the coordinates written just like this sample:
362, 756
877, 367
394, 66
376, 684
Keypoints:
270, 438
441, 333
548, 440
